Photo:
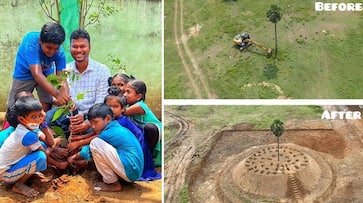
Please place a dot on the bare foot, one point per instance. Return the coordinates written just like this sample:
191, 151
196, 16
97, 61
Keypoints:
24, 190
113, 187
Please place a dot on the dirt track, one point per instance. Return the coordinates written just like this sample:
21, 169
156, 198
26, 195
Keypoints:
197, 162
190, 65
175, 170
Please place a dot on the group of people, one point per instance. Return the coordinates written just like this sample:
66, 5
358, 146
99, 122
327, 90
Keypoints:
110, 126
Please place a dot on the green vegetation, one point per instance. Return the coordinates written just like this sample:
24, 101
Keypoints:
130, 39
274, 15
319, 53
184, 195
211, 118
168, 132
277, 128
270, 71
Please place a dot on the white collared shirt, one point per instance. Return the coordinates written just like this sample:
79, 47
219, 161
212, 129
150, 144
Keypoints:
93, 82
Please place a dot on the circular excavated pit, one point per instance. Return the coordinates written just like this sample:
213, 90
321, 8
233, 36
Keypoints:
256, 175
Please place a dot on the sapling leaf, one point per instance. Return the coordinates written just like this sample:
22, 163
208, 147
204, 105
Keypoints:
59, 113
53, 79
59, 132
73, 77
57, 86
80, 96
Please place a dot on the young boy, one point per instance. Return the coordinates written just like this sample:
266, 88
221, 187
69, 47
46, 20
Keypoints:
39, 55
22, 154
116, 151
45, 135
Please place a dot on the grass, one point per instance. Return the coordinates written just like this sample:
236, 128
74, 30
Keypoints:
184, 195
211, 118
179, 86
313, 48
133, 35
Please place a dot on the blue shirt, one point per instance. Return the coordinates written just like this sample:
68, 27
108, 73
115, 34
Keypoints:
19, 143
30, 53
127, 146
5, 134
125, 122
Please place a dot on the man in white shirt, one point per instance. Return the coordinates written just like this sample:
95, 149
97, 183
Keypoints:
91, 80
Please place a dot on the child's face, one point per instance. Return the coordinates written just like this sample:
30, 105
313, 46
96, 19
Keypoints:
98, 124
131, 96
120, 83
115, 106
49, 49
32, 120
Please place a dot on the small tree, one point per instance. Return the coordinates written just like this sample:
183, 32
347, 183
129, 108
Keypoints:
274, 15
277, 128
58, 81
53, 10
74, 14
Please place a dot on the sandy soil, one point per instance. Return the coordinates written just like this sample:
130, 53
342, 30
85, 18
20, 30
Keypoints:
201, 158
79, 188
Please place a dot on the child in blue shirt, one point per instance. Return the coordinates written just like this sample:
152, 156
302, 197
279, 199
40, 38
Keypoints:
22, 154
116, 151
39, 55
117, 103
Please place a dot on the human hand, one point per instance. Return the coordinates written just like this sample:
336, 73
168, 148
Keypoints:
78, 129
41, 135
73, 158
73, 146
60, 152
62, 165
74, 138
56, 102
58, 141
62, 98
73, 107
77, 119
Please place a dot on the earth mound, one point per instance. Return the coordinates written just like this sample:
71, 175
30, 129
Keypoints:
300, 174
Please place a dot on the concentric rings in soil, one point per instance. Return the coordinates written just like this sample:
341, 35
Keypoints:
256, 175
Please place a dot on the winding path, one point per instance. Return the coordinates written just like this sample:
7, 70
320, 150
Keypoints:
190, 65
176, 169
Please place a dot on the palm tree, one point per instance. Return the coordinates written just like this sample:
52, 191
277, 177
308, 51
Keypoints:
277, 128
274, 16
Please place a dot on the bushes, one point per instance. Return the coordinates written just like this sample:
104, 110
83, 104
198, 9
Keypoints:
270, 71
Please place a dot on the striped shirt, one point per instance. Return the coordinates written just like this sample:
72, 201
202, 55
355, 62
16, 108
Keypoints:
92, 83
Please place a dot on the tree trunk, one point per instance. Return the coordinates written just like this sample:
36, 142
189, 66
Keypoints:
275, 41
278, 149
82, 15
58, 12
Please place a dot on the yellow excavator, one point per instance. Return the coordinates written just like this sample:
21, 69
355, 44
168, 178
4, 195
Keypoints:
243, 40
